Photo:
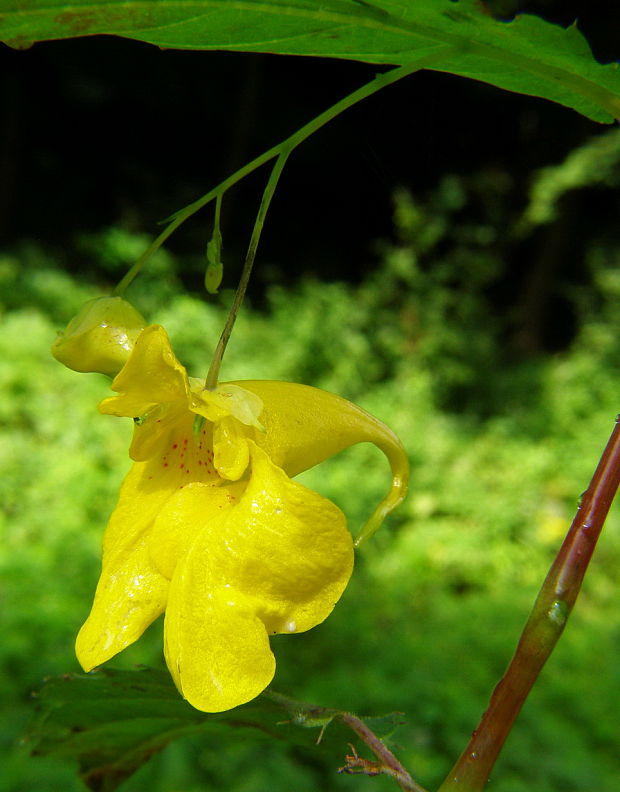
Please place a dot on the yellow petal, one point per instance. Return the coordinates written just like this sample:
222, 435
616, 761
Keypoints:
217, 650
174, 530
132, 591
276, 560
130, 595
305, 425
146, 489
288, 546
153, 434
152, 376
100, 337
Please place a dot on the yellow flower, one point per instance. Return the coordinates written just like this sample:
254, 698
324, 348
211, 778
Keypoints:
211, 529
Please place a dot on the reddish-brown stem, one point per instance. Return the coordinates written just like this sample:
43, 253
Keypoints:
544, 626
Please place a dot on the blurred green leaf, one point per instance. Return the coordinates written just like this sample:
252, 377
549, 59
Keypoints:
113, 721
595, 163
527, 55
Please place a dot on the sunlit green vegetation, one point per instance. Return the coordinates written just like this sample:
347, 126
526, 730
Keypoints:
500, 445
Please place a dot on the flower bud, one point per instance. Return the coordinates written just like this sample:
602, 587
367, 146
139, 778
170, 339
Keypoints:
100, 338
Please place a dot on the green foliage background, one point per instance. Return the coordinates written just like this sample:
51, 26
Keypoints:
500, 448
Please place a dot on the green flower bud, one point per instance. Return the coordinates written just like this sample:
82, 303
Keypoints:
101, 336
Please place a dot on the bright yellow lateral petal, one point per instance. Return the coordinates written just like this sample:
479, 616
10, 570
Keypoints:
305, 425
278, 543
288, 546
217, 650
150, 485
143, 494
139, 502
267, 556
130, 595
132, 590
152, 376
186, 513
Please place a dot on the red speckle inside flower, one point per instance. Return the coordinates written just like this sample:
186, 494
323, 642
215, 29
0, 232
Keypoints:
191, 457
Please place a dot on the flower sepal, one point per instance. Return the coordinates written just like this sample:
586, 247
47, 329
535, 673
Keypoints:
100, 337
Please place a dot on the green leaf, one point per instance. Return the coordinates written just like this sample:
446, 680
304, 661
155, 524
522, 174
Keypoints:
527, 55
111, 722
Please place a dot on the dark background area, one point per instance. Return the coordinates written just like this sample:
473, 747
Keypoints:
104, 131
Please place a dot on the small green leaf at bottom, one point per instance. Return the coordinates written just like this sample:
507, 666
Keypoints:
111, 722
